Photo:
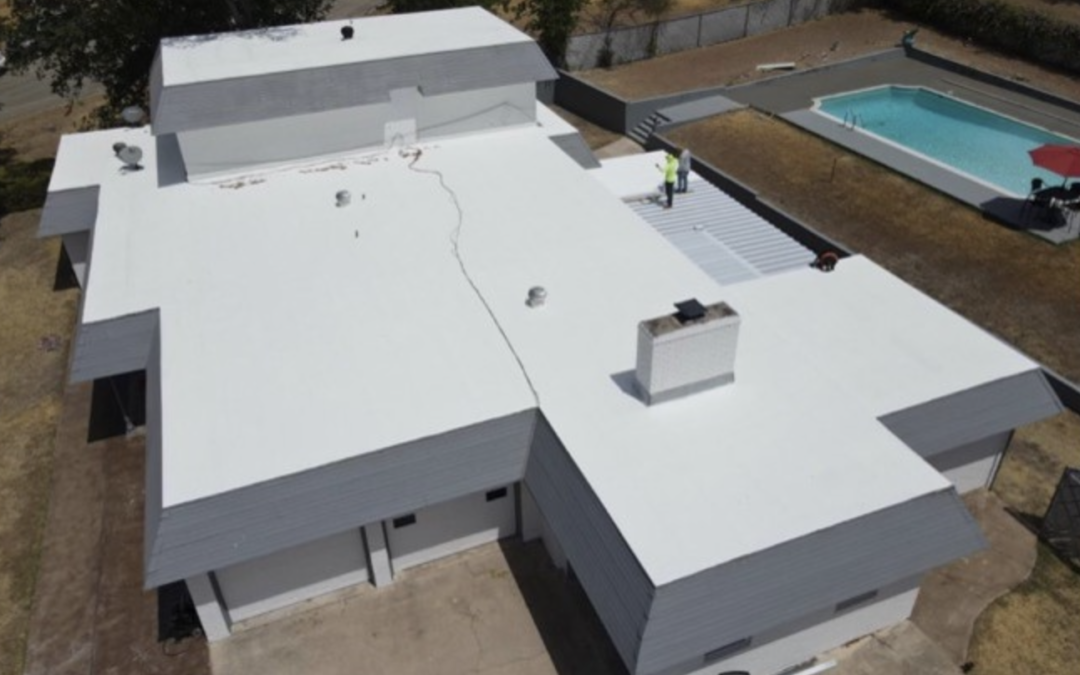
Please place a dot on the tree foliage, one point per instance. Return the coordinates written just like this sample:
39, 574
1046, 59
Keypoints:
604, 16
552, 21
408, 6
70, 42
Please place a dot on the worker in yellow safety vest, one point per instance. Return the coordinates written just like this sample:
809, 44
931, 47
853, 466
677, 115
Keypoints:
670, 169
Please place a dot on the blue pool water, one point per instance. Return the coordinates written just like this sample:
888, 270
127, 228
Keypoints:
970, 139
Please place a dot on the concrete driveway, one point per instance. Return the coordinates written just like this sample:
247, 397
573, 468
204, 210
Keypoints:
495, 610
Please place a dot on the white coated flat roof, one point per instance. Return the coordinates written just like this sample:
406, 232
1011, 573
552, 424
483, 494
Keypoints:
204, 58
295, 334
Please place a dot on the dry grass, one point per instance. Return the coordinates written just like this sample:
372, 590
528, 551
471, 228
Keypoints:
835, 38
30, 388
1032, 630
1011, 283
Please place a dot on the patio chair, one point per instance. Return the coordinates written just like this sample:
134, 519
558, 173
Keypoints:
1036, 198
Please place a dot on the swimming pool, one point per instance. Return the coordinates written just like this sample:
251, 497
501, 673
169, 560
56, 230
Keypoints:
975, 141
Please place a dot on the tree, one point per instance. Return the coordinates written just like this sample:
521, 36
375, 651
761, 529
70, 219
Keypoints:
70, 42
606, 15
553, 22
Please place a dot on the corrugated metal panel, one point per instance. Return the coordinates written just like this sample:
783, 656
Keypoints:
68, 211
756, 594
257, 520
973, 414
615, 582
113, 347
726, 240
575, 146
221, 102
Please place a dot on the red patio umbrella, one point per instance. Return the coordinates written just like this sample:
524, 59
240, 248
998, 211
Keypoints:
1064, 160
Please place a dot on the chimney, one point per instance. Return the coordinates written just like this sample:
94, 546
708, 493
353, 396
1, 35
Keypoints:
686, 352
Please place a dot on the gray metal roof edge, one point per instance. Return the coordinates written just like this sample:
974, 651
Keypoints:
157, 571
69, 211
916, 425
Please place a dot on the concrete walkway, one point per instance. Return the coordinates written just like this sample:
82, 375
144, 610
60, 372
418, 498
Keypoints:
953, 597
900, 650
91, 615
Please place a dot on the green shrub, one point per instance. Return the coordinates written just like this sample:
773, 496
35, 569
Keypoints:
23, 185
1017, 30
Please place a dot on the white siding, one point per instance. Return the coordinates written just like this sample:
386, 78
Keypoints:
451, 527
77, 246
287, 577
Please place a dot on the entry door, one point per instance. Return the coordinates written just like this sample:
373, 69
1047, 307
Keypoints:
451, 527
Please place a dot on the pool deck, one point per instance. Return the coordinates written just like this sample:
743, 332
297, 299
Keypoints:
791, 97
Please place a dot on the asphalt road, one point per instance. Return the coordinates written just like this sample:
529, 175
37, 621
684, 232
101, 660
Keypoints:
24, 95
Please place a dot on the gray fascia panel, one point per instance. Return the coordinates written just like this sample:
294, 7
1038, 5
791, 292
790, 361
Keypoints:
973, 414
69, 211
253, 521
113, 347
756, 594
614, 580
234, 101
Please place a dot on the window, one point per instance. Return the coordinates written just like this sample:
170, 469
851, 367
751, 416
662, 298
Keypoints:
495, 494
855, 601
727, 650
404, 521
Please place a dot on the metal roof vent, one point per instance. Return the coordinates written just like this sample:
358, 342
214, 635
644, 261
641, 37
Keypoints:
537, 296
343, 198
346, 32
686, 352
130, 155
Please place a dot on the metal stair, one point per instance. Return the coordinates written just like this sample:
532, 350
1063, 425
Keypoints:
726, 240
645, 129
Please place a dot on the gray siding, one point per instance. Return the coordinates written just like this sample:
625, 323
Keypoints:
973, 414
154, 433
68, 211
112, 347
764, 592
233, 101
575, 146
253, 521
614, 580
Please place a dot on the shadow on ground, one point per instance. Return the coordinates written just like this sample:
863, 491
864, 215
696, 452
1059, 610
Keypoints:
575, 639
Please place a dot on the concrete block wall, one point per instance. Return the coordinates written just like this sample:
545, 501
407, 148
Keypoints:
701, 30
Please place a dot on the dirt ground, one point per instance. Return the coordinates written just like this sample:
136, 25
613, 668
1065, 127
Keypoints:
33, 360
835, 38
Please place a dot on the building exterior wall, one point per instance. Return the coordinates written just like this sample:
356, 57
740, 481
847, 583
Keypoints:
77, 247
444, 529
821, 632
773, 588
220, 150
293, 575
68, 211
610, 574
972, 465
260, 519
